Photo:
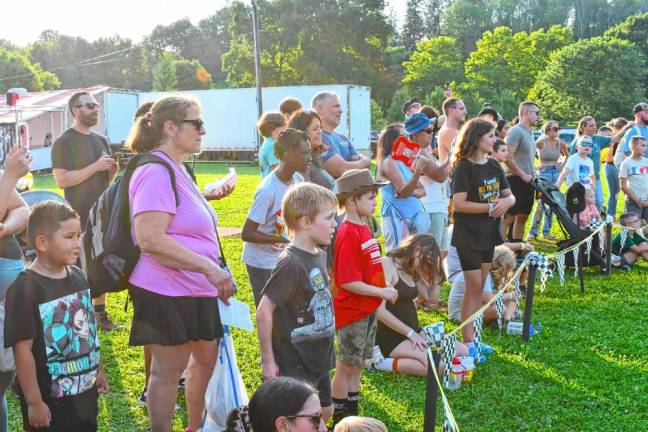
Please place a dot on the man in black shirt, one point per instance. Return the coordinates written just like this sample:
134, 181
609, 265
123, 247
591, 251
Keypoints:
83, 167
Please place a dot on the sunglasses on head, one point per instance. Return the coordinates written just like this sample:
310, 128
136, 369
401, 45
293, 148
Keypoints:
90, 105
198, 123
314, 418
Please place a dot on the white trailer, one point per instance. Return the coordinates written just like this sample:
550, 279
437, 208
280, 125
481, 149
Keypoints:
231, 114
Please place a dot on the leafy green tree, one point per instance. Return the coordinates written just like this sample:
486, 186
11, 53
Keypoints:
436, 61
593, 17
413, 27
432, 15
505, 65
466, 20
393, 112
164, 73
191, 75
377, 117
635, 30
17, 71
596, 76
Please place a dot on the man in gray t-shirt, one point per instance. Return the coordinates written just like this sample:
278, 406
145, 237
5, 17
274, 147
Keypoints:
519, 168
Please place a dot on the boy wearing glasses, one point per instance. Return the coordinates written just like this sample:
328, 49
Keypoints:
83, 167
633, 174
633, 246
579, 167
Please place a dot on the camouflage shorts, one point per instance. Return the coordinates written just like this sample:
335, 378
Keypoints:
356, 340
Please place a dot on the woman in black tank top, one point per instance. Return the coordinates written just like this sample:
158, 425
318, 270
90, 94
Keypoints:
409, 268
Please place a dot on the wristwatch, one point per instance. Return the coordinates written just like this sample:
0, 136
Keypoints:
409, 334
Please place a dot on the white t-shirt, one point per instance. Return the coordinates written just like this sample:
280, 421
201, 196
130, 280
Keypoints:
437, 195
580, 170
636, 171
457, 292
266, 211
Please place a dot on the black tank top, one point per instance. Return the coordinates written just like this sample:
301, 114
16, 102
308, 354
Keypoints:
405, 310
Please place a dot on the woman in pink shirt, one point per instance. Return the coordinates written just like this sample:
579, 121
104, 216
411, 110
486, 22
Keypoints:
179, 277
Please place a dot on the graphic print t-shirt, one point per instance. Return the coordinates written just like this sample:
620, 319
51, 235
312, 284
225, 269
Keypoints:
483, 184
580, 170
303, 326
58, 315
356, 258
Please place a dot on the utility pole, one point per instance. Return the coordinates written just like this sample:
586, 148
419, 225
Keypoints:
257, 65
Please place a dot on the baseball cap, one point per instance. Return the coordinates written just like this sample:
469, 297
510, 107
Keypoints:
641, 106
416, 123
408, 104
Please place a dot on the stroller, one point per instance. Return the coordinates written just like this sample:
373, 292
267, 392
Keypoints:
555, 201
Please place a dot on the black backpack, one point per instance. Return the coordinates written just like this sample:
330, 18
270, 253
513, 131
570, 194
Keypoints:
575, 198
109, 254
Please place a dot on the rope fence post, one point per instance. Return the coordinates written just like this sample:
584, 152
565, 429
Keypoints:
528, 303
431, 395
608, 247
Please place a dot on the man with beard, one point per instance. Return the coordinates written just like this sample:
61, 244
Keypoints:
83, 167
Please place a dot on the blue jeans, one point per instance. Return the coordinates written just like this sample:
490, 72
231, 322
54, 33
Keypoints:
598, 194
612, 175
9, 270
551, 174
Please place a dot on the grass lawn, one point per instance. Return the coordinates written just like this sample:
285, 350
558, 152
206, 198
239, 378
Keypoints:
587, 371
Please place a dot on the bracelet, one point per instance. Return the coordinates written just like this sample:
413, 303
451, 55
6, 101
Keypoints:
410, 333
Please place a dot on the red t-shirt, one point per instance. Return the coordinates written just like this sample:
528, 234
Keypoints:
357, 258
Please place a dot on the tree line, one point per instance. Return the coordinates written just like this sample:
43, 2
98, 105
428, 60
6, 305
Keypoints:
574, 56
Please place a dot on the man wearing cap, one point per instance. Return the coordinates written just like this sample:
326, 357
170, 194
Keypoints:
455, 113
410, 107
640, 127
338, 153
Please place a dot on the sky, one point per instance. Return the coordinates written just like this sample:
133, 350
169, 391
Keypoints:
92, 19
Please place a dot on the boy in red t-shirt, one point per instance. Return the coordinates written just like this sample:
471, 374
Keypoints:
360, 280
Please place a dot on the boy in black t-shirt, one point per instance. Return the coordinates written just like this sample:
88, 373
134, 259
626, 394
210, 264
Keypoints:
295, 315
50, 325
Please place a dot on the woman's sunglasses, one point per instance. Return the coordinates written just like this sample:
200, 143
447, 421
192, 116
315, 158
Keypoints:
198, 123
314, 418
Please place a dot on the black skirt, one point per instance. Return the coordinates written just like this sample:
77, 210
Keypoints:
171, 321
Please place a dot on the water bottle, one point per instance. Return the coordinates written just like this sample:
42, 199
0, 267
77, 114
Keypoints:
229, 179
515, 328
456, 374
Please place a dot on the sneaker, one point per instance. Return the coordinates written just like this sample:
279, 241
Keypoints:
486, 349
615, 260
142, 398
104, 322
377, 357
479, 359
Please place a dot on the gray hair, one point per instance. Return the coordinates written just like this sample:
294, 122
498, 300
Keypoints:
322, 97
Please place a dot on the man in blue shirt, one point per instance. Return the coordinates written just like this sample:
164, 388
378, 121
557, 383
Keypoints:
640, 127
338, 153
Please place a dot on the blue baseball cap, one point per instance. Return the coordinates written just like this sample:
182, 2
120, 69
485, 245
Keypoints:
416, 123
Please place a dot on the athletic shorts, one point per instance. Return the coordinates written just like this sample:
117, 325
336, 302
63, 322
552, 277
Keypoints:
472, 259
524, 196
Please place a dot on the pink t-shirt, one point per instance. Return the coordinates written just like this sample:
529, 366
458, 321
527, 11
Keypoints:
193, 226
587, 216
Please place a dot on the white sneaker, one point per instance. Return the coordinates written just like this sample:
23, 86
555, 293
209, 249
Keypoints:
377, 357
615, 260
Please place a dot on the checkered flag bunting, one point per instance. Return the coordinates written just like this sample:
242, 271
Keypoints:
449, 424
575, 253
434, 333
447, 352
478, 323
560, 266
541, 262
624, 237
601, 237
499, 306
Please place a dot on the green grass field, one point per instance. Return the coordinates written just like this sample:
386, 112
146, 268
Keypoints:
587, 371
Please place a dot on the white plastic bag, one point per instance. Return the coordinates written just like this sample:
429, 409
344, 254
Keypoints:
7, 363
226, 389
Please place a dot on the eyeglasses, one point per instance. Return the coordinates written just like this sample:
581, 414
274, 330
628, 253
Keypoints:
90, 105
316, 418
198, 123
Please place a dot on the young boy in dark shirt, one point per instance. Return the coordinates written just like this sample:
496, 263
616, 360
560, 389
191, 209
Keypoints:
50, 324
295, 315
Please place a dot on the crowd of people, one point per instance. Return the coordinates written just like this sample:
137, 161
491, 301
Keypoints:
328, 295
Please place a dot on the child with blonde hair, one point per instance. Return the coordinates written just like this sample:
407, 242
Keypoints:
360, 424
502, 268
